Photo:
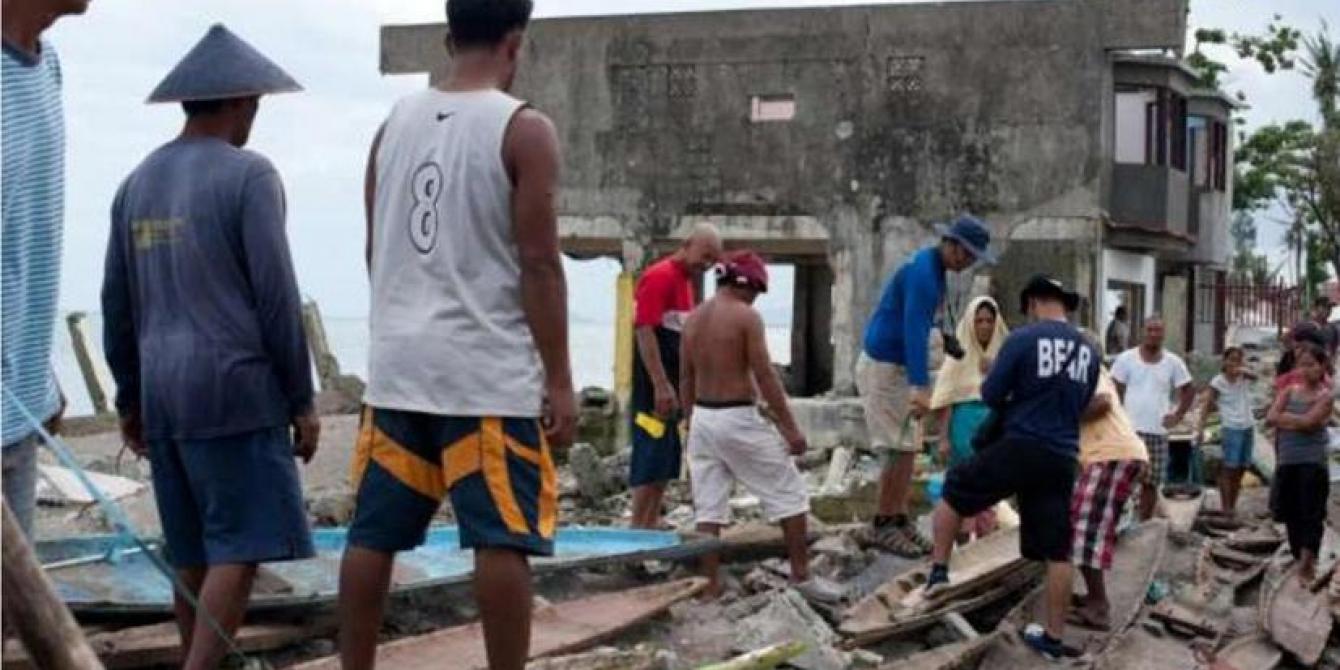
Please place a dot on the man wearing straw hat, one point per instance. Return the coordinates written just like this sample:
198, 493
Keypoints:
203, 332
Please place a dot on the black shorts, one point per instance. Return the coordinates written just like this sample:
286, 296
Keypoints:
1041, 478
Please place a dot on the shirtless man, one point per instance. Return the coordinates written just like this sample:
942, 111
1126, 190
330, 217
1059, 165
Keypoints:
724, 364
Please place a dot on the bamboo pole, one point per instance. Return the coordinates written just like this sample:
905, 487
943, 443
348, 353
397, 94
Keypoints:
49, 633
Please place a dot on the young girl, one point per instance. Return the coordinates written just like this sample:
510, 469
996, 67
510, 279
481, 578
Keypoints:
958, 393
1302, 481
1230, 392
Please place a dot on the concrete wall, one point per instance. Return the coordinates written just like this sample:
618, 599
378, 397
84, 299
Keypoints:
904, 115
1063, 248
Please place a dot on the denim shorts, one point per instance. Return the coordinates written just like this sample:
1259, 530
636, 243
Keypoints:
234, 499
1238, 446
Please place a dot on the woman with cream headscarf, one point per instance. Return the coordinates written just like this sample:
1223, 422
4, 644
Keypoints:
957, 399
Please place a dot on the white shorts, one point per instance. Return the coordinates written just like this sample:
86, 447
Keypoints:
884, 397
738, 444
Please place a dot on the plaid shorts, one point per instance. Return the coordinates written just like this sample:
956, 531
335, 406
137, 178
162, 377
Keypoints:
1158, 458
1095, 509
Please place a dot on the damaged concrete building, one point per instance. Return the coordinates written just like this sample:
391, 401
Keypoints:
832, 139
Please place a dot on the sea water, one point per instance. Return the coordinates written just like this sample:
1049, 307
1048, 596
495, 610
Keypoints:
591, 346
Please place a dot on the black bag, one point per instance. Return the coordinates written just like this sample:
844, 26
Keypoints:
993, 426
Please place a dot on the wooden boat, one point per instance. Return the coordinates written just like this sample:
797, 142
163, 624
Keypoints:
1252, 652
1181, 506
1263, 539
91, 585
980, 573
954, 656
563, 628
1221, 566
1138, 554
1297, 618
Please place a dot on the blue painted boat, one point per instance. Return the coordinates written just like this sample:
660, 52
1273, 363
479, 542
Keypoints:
129, 584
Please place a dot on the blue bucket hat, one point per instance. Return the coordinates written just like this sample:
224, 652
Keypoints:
972, 234
221, 66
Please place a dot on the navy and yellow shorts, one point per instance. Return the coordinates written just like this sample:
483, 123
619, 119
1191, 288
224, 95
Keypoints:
498, 471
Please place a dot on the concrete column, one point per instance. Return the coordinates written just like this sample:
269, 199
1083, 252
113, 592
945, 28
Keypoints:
798, 381
625, 284
1173, 309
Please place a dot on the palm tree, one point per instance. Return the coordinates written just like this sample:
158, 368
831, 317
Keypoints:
1322, 64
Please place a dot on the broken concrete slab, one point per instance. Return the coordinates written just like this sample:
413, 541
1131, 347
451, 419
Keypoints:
595, 482
789, 618
61, 486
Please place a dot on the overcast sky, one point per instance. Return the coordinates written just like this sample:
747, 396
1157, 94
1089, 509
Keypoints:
115, 54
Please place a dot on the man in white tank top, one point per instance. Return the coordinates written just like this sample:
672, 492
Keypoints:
469, 382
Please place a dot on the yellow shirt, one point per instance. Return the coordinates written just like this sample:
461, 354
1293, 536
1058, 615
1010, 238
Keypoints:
1111, 436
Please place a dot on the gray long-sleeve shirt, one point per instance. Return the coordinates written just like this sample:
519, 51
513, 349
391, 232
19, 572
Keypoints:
203, 320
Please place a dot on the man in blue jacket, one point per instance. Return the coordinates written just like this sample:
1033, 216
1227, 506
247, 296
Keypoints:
893, 373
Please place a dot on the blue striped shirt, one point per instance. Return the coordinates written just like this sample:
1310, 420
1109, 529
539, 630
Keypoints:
33, 203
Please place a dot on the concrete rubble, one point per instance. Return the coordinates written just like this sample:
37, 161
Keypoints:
1185, 607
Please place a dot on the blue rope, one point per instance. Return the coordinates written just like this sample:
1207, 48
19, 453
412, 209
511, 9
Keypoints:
125, 530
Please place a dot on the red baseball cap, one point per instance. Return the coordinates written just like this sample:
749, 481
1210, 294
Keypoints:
744, 268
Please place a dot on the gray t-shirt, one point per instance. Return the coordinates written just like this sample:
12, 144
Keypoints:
1301, 447
203, 320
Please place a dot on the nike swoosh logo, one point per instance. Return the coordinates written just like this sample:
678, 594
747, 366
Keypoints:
443, 116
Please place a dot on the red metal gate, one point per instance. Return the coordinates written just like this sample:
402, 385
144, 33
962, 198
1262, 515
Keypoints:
1223, 303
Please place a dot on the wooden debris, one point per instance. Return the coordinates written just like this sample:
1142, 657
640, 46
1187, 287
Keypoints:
1138, 555
762, 659
753, 541
1297, 619
955, 656
1253, 652
563, 628
1180, 618
160, 644
31, 607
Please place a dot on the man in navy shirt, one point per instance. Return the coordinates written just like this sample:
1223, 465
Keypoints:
893, 373
1042, 383
203, 333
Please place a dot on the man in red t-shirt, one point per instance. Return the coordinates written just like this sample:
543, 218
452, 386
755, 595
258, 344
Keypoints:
664, 299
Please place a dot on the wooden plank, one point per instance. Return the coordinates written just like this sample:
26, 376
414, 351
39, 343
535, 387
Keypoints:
92, 364
563, 628
160, 644
30, 606
1183, 618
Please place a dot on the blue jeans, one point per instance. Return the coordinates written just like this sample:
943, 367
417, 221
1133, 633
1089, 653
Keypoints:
20, 480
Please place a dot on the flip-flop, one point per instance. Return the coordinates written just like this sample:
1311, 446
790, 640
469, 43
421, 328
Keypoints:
1084, 619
